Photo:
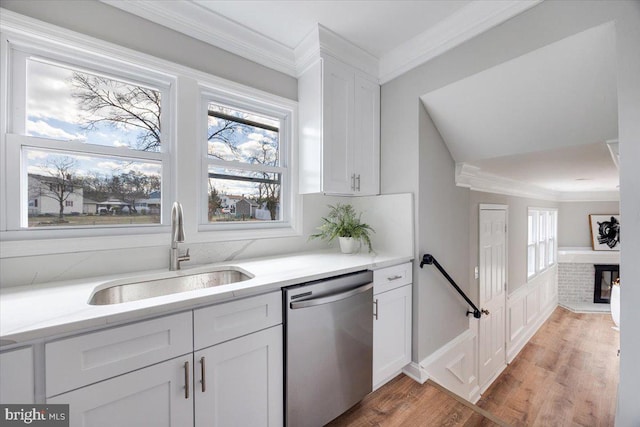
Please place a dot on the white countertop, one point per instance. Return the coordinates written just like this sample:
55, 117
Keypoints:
34, 312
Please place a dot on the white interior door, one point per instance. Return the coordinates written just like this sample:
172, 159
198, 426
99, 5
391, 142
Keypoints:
493, 284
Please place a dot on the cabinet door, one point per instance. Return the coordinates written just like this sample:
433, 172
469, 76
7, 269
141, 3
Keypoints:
391, 334
366, 140
154, 396
16, 371
337, 127
243, 382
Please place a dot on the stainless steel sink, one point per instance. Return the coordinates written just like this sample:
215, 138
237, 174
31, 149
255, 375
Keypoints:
153, 288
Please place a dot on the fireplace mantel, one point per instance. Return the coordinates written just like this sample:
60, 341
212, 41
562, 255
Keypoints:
587, 256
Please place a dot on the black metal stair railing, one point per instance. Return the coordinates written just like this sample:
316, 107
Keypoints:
429, 259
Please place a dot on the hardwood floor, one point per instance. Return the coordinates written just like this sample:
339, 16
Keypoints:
406, 403
567, 375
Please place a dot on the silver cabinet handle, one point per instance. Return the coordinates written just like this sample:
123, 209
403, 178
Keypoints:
375, 313
358, 179
330, 298
203, 374
396, 277
186, 379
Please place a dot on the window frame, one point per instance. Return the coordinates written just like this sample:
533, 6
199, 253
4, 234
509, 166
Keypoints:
19, 48
270, 106
546, 218
186, 84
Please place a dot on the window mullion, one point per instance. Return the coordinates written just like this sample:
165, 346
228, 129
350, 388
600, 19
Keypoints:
256, 167
82, 148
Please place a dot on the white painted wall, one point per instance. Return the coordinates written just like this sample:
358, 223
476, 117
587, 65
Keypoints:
406, 148
573, 221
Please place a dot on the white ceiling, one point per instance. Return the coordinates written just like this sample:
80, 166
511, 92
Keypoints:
543, 118
375, 26
568, 169
400, 34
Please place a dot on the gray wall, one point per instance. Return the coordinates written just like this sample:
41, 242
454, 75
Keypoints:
573, 221
517, 235
407, 155
414, 159
108, 23
444, 233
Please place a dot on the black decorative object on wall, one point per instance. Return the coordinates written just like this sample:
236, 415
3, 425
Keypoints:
605, 232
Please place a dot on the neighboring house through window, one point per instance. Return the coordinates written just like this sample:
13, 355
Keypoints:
248, 177
92, 131
81, 124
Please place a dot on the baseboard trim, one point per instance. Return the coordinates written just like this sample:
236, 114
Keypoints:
416, 372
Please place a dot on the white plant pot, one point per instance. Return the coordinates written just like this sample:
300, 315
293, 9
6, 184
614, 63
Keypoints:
348, 244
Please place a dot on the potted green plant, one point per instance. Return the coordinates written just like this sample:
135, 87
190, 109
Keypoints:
344, 223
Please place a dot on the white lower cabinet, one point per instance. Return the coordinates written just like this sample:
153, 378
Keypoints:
121, 376
240, 382
392, 322
154, 396
17, 374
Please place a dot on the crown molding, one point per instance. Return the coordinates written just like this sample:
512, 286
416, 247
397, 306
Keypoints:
322, 41
194, 20
474, 178
191, 18
473, 19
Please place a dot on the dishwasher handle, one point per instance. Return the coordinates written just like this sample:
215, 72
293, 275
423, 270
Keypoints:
330, 298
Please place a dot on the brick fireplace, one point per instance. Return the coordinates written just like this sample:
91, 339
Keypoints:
576, 278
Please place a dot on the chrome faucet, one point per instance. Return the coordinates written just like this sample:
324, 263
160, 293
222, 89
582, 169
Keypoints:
177, 236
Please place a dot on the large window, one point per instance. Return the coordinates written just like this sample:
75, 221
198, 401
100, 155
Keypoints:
99, 140
85, 139
246, 164
541, 240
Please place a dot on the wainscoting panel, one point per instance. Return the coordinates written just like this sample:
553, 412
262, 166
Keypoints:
528, 307
516, 319
455, 365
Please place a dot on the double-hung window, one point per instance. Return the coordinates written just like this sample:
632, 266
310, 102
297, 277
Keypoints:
541, 240
247, 164
87, 141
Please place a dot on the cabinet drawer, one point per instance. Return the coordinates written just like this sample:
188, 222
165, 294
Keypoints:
86, 359
393, 277
222, 322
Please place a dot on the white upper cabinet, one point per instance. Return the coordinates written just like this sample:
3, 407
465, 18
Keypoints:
339, 128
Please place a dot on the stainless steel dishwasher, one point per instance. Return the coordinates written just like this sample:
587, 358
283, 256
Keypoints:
328, 347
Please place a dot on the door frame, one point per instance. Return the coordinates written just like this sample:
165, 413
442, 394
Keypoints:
505, 208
